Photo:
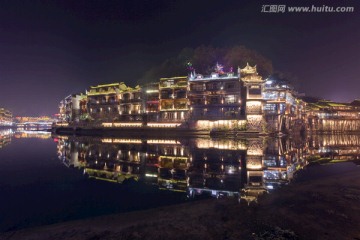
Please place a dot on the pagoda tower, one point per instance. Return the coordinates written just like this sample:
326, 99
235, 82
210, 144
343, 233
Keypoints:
253, 84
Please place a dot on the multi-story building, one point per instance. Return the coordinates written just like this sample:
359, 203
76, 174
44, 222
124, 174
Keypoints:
115, 102
281, 107
328, 116
216, 100
132, 104
103, 101
5, 137
174, 104
254, 84
73, 108
6, 118
221, 101
151, 96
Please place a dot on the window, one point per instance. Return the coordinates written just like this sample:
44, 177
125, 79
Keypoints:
165, 94
180, 94
212, 86
230, 85
229, 99
214, 100
197, 87
255, 91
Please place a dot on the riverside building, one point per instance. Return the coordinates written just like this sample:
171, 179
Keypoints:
216, 100
219, 102
282, 109
174, 103
6, 118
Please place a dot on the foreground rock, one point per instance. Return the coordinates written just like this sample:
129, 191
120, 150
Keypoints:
323, 205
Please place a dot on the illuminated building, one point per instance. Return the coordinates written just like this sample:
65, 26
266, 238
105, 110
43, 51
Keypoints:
328, 116
5, 137
6, 118
42, 122
281, 107
216, 100
152, 102
103, 101
173, 99
254, 100
73, 108
131, 104
220, 103
115, 102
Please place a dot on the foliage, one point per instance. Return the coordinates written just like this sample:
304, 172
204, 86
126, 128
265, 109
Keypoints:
203, 60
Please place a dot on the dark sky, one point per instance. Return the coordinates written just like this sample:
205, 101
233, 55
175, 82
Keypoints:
50, 49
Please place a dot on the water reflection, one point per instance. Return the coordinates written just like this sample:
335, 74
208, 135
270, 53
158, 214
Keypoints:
343, 147
32, 134
204, 166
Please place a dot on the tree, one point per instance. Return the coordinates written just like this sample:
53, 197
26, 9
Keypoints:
203, 60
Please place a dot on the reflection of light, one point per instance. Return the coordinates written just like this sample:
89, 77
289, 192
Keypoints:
270, 187
221, 144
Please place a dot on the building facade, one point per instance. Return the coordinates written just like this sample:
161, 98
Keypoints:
173, 99
282, 109
229, 101
6, 117
216, 101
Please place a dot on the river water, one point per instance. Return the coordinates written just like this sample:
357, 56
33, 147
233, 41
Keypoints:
46, 179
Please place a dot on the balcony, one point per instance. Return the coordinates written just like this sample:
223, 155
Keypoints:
132, 100
181, 84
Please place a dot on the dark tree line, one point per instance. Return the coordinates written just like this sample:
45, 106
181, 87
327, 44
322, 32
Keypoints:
203, 60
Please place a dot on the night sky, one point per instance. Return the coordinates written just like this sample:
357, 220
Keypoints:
50, 49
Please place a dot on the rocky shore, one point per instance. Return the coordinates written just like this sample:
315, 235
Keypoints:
322, 203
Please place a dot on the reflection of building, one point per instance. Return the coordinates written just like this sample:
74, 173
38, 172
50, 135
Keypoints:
270, 163
6, 135
215, 171
199, 166
32, 134
334, 146
6, 118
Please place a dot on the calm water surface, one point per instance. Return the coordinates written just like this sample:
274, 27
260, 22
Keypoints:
46, 179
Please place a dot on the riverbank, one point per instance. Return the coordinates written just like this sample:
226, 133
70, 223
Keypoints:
322, 203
